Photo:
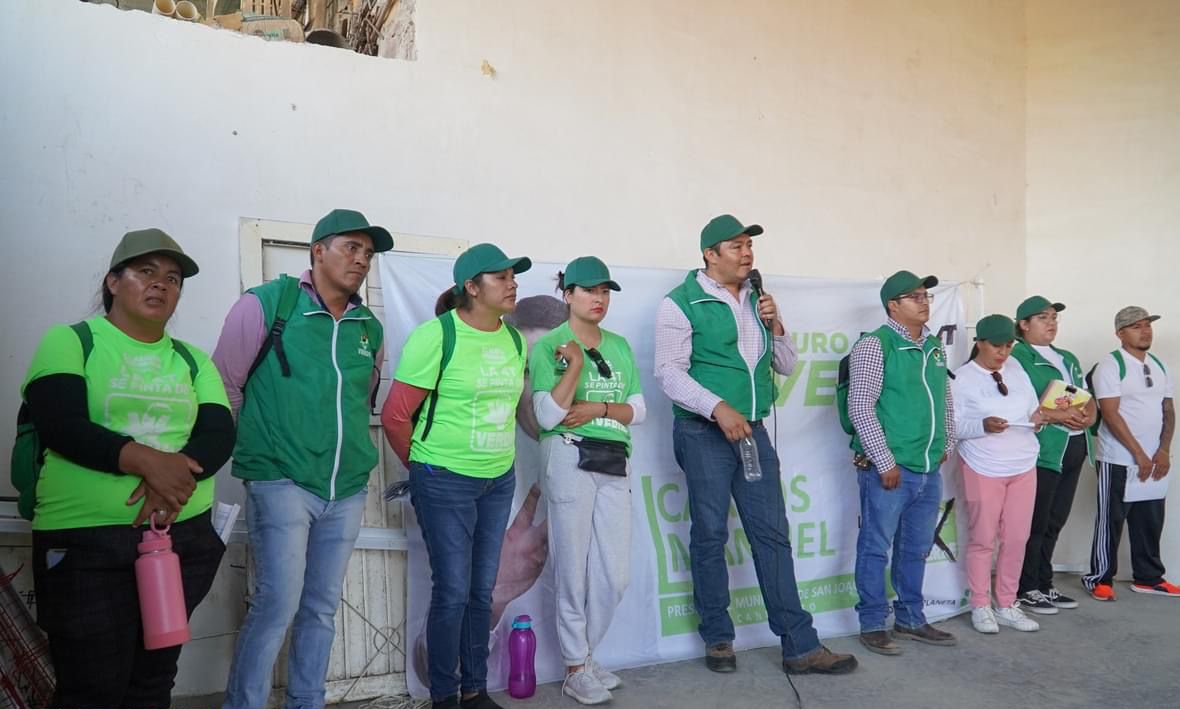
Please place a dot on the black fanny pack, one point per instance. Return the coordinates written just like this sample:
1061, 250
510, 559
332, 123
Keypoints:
599, 456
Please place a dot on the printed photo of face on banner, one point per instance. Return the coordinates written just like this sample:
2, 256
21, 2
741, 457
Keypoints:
523, 584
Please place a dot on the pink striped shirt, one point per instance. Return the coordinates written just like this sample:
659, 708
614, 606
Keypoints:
674, 347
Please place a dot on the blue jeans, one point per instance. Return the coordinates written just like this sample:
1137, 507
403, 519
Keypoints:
713, 472
904, 518
462, 521
300, 544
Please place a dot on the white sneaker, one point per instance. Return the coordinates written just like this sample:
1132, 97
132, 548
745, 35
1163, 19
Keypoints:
585, 688
609, 679
1016, 619
984, 620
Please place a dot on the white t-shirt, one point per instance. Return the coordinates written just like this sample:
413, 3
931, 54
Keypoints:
1140, 406
996, 455
1058, 361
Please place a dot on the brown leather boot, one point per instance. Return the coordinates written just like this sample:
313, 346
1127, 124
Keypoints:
822, 661
720, 657
925, 634
879, 642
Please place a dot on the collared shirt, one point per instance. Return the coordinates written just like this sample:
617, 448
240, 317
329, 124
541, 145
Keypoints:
866, 368
245, 330
674, 346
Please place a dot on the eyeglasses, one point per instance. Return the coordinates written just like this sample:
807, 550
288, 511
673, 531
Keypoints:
1000, 385
596, 358
917, 297
1147, 375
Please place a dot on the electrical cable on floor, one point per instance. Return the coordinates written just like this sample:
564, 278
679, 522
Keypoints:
798, 699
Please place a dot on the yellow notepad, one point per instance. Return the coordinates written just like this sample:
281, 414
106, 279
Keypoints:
1059, 395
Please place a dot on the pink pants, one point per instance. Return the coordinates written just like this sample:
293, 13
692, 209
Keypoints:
997, 509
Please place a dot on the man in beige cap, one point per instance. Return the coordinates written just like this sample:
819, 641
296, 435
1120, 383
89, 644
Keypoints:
1134, 392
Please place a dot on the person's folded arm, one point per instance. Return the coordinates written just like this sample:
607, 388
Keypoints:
397, 417
60, 412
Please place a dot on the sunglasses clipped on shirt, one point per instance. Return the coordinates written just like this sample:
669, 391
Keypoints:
603, 367
1147, 375
1000, 385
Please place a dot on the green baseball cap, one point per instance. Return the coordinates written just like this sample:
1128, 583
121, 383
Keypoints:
588, 271
150, 241
1035, 304
996, 329
903, 282
346, 221
724, 228
485, 258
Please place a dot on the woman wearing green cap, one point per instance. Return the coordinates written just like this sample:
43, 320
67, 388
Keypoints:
450, 418
134, 424
586, 393
1065, 446
996, 409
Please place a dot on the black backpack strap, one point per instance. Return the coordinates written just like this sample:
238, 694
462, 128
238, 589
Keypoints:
447, 320
182, 350
274, 338
85, 337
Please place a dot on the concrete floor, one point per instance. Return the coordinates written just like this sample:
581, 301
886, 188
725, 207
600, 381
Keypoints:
1109, 655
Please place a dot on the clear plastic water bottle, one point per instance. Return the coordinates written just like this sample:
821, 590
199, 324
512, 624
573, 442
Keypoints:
161, 594
522, 654
751, 467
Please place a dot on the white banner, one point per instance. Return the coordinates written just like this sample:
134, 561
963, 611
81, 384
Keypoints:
656, 621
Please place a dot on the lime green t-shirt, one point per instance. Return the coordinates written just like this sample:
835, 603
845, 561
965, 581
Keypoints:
474, 430
143, 390
592, 386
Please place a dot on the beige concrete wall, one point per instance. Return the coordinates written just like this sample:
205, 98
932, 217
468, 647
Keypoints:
1104, 185
865, 137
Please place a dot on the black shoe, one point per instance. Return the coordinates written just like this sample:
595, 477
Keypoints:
823, 661
721, 658
879, 642
1059, 599
1037, 602
479, 701
925, 634
452, 703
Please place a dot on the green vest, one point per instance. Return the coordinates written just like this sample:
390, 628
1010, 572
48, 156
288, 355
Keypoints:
311, 427
716, 363
1053, 438
912, 405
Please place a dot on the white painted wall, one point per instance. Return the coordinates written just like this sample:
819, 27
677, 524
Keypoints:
1104, 188
865, 136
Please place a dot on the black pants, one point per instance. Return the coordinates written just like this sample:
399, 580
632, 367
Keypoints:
1145, 522
88, 605
1055, 492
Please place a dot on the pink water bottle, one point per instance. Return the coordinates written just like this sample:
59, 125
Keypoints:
161, 594
522, 652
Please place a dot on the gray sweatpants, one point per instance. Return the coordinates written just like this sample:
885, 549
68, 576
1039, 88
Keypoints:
589, 546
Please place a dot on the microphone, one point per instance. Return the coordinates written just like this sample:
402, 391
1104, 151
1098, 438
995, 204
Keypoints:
756, 285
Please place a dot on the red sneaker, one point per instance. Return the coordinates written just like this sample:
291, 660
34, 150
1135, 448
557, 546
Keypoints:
1104, 592
1163, 588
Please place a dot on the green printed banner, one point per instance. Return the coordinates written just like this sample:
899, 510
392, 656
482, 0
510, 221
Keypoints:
656, 620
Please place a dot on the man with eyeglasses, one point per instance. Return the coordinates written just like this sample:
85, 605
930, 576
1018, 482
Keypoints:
1134, 392
900, 407
717, 339
300, 358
